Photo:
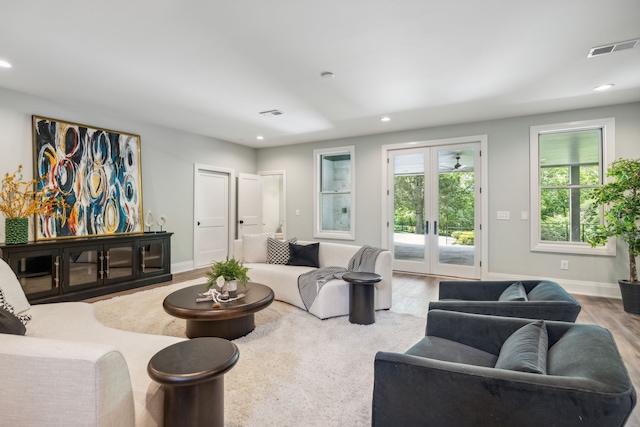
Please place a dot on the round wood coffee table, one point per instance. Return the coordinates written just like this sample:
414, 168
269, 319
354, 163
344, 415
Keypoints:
230, 321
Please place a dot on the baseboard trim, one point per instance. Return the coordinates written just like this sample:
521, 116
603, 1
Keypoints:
181, 267
596, 289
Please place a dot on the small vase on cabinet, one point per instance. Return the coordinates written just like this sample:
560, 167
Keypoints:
16, 231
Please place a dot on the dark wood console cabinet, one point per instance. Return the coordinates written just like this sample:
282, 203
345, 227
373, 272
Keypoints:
76, 269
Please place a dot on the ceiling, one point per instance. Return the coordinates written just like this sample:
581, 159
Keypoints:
210, 67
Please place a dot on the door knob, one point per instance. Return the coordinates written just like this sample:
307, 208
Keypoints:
241, 222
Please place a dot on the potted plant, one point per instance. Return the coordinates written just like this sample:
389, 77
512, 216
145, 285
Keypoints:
622, 219
234, 272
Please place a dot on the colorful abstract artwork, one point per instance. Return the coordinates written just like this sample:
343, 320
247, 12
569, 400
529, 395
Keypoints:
97, 174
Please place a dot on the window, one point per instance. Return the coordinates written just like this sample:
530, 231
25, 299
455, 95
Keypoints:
568, 161
334, 210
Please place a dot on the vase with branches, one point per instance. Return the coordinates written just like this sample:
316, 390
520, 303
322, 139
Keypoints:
20, 199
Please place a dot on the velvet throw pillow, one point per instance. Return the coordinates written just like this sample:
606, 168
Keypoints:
10, 324
515, 292
304, 255
278, 250
526, 349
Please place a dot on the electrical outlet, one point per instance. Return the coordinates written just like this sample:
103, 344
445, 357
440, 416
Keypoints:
297, 212
564, 264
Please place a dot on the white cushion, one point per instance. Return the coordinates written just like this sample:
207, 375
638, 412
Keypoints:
12, 289
255, 247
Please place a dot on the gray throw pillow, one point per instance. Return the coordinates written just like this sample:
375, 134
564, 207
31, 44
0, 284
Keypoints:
515, 292
526, 349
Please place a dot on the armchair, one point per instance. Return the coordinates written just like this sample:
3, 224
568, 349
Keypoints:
448, 378
546, 300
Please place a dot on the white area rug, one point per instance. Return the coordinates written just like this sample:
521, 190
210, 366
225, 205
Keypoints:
294, 369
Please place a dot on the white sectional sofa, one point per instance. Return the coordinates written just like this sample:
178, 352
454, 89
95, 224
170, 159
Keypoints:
70, 370
333, 298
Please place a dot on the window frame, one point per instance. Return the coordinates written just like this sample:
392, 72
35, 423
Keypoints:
607, 126
318, 232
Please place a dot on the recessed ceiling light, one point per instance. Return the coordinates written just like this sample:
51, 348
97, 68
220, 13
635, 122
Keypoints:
385, 119
4, 64
327, 75
260, 137
604, 87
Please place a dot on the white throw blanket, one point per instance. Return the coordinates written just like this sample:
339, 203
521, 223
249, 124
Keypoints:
310, 283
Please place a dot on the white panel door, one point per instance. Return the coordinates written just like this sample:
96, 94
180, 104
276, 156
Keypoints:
211, 237
249, 204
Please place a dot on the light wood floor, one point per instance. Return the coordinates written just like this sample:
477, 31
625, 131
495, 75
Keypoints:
412, 293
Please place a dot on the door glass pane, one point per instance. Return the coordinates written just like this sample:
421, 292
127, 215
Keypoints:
408, 207
36, 273
83, 267
120, 262
456, 183
152, 257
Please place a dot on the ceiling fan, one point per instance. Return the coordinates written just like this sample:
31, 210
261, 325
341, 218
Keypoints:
457, 165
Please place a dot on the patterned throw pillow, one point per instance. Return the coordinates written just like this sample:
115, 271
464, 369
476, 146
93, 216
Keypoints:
24, 318
278, 250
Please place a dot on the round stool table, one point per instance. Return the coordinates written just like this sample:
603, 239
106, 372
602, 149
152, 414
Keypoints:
192, 373
361, 296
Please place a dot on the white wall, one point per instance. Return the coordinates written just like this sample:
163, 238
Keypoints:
167, 155
508, 178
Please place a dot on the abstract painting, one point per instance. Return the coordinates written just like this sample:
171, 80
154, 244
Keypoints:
97, 174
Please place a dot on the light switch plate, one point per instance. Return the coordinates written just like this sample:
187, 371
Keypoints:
504, 215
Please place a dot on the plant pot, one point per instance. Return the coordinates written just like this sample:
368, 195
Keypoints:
232, 287
16, 231
630, 296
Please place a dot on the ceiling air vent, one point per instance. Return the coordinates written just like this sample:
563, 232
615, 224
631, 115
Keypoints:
271, 113
615, 47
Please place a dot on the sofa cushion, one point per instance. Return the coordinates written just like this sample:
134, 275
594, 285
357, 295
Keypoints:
255, 247
304, 255
437, 348
515, 292
278, 250
10, 324
526, 349
12, 288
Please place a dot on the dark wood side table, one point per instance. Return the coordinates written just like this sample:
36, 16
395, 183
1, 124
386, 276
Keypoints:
192, 373
362, 296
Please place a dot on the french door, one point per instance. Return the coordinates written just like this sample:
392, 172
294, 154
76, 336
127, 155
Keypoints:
434, 209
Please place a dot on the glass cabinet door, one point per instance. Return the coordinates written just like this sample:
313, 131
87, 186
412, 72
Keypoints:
82, 266
38, 272
153, 257
119, 262
88, 266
